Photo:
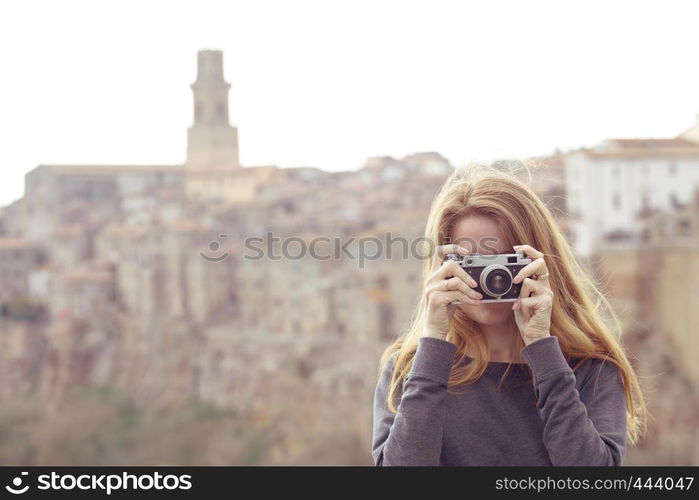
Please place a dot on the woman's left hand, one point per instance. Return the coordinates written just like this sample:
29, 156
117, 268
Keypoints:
533, 308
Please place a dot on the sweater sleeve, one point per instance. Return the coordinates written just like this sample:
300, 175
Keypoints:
413, 435
581, 428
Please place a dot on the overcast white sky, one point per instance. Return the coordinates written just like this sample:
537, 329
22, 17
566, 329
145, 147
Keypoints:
327, 83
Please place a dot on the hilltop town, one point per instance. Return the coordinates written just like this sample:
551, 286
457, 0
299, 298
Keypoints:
137, 278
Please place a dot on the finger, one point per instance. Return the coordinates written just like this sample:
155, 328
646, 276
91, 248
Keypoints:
442, 299
531, 305
537, 266
452, 307
528, 306
442, 251
528, 251
453, 284
525, 307
531, 287
456, 283
450, 268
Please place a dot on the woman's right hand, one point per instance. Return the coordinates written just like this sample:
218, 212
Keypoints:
448, 283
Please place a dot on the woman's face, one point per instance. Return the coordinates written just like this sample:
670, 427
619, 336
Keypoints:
481, 235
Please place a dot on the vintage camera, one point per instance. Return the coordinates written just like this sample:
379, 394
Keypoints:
494, 274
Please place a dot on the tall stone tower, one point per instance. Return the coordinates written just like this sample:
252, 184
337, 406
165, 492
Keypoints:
211, 141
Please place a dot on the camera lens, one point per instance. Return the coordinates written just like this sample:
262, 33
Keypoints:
496, 280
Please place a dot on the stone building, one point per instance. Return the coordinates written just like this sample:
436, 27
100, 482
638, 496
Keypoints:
654, 281
152, 289
18, 258
82, 293
611, 185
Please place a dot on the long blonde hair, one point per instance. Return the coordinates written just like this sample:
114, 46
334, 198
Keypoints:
578, 306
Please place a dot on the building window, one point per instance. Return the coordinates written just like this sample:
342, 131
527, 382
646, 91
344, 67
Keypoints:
645, 202
684, 227
221, 111
616, 201
674, 201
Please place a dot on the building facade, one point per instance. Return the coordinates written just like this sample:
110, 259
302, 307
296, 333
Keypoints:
612, 186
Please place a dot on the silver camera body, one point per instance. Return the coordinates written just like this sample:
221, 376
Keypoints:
494, 274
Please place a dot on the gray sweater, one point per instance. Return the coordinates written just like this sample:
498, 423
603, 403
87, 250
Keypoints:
561, 417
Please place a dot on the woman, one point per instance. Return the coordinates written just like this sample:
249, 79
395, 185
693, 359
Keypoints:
538, 381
